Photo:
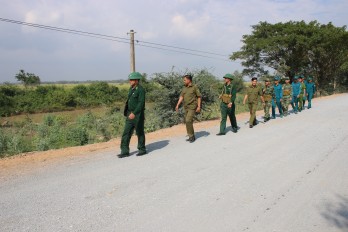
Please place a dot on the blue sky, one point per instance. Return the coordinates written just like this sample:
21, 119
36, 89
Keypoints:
216, 26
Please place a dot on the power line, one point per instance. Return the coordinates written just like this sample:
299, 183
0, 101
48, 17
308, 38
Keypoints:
157, 46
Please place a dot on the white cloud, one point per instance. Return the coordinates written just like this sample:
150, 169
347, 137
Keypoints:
182, 26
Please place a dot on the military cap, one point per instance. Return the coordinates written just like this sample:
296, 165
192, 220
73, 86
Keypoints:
229, 76
310, 78
295, 77
301, 76
134, 76
254, 78
286, 78
277, 78
267, 79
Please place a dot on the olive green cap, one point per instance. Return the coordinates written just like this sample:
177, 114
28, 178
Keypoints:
286, 78
135, 76
295, 77
229, 76
267, 79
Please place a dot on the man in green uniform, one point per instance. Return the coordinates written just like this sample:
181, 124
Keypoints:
268, 96
302, 93
134, 113
287, 96
192, 104
254, 91
227, 106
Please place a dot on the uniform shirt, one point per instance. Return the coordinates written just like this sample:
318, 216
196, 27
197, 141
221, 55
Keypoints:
190, 94
287, 88
268, 93
278, 92
302, 88
253, 93
230, 89
310, 87
136, 100
296, 87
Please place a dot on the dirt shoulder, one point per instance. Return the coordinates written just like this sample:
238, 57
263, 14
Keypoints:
27, 161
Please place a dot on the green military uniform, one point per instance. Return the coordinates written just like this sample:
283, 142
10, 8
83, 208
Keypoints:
268, 95
302, 97
287, 97
136, 105
253, 92
190, 94
228, 96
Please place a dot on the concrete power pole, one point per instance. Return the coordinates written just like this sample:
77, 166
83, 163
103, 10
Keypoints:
132, 52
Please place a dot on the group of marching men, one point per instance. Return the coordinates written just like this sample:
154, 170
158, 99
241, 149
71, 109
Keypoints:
272, 96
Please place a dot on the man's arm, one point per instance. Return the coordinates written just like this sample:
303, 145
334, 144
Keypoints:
245, 98
181, 98
199, 100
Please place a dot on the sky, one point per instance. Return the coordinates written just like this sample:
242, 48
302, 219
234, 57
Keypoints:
215, 26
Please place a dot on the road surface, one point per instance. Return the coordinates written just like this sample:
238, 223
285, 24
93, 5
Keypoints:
289, 174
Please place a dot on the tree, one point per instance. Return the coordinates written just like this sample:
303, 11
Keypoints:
295, 48
27, 79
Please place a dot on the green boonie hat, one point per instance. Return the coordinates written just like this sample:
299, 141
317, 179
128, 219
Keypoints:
310, 78
295, 77
267, 79
277, 78
229, 76
286, 78
135, 76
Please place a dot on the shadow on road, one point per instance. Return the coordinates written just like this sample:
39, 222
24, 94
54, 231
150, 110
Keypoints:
201, 134
156, 145
337, 214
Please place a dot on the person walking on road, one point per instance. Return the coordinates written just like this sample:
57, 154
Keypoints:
302, 94
268, 96
227, 105
254, 92
192, 104
277, 101
310, 87
287, 96
134, 113
296, 87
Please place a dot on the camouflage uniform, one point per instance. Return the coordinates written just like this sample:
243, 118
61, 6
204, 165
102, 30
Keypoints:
268, 95
302, 96
287, 97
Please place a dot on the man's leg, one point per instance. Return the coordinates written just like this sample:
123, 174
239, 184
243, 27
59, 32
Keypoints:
223, 109
189, 114
300, 102
273, 109
280, 108
233, 117
126, 136
141, 136
310, 96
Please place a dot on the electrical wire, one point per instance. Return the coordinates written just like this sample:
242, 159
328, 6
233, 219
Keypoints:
157, 46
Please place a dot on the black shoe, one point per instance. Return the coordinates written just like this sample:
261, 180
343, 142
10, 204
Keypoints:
140, 153
251, 126
221, 134
266, 119
234, 129
123, 155
255, 123
192, 139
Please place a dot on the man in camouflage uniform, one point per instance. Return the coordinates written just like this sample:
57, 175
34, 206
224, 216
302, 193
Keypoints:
302, 93
254, 91
134, 113
268, 96
310, 88
192, 104
287, 96
227, 105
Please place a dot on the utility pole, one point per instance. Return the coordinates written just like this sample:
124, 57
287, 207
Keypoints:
132, 52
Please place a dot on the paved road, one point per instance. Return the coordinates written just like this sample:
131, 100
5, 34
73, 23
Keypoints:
289, 174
